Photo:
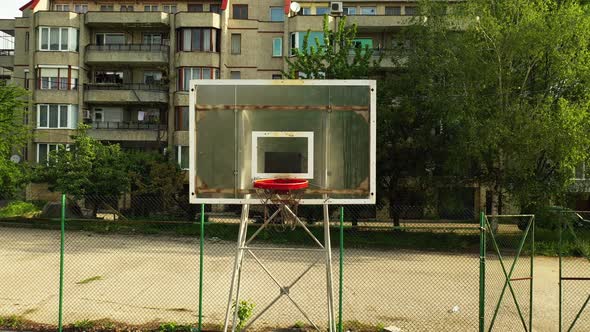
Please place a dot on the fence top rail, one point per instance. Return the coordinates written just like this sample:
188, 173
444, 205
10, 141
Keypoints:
509, 215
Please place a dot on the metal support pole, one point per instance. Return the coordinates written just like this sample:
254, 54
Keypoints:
340, 286
61, 262
559, 249
235, 282
532, 273
482, 271
201, 246
328, 249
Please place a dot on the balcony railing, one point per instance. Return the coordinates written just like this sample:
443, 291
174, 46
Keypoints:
129, 125
129, 48
126, 86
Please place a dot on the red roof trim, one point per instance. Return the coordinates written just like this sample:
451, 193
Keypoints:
287, 6
31, 4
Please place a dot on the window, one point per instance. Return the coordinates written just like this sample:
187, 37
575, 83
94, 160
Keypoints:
214, 8
43, 150
27, 40
152, 39
81, 8
62, 8
113, 77
181, 118
150, 8
171, 9
152, 77
393, 11
297, 39
277, 46
127, 8
195, 8
183, 156
322, 10
186, 74
368, 11
198, 40
26, 85
58, 78
110, 38
54, 116
305, 11
349, 10
58, 39
107, 8
277, 76
410, 11
235, 75
277, 14
240, 12
236, 43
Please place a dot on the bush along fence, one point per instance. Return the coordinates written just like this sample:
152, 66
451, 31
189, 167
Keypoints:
116, 270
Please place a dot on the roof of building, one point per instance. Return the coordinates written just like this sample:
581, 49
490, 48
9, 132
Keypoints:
29, 5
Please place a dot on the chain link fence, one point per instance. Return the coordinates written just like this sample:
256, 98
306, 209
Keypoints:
133, 262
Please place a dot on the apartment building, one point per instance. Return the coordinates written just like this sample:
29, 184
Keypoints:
123, 67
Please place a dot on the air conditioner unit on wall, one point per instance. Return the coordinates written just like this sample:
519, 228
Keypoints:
336, 8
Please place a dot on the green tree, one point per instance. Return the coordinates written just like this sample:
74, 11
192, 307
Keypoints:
13, 136
507, 80
87, 168
335, 56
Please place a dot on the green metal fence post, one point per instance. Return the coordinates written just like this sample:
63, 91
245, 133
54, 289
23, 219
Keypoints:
61, 262
340, 286
201, 246
532, 273
559, 248
482, 271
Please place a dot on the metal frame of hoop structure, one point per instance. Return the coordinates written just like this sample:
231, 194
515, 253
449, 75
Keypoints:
243, 248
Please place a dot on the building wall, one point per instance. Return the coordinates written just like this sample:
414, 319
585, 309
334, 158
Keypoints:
254, 61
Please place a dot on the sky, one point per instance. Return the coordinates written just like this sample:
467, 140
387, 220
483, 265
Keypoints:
9, 8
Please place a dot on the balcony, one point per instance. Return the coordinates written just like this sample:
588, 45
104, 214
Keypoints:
125, 93
128, 131
7, 59
307, 22
379, 22
380, 53
128, 54
184, 19
128, 19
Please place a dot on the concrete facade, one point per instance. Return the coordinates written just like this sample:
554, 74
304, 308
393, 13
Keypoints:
127, 68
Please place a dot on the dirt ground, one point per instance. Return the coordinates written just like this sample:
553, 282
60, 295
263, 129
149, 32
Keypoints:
140, 279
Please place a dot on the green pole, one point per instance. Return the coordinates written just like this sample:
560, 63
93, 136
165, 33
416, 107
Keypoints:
201, 245
532, 273
559, 248
61, 262
340, 286
482, 271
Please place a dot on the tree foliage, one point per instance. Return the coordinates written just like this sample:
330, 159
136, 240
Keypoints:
86, 167
334, 57
507, 80
13, 136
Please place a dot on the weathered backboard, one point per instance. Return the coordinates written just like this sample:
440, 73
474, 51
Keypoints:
320, 130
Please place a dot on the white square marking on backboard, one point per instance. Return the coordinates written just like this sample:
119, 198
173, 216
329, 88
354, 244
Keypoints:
282, 134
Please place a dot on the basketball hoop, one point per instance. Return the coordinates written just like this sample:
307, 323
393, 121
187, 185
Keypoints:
284, 193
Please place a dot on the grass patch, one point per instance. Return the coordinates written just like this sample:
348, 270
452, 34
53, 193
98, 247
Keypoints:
83, 325
19, 209
89, 280
13, 322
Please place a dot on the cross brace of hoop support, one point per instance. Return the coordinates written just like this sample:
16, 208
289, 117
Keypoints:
284, 291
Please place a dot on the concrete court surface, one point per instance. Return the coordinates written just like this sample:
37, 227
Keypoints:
140, 279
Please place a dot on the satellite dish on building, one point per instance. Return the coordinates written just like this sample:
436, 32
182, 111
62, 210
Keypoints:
15, 158
295, 7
